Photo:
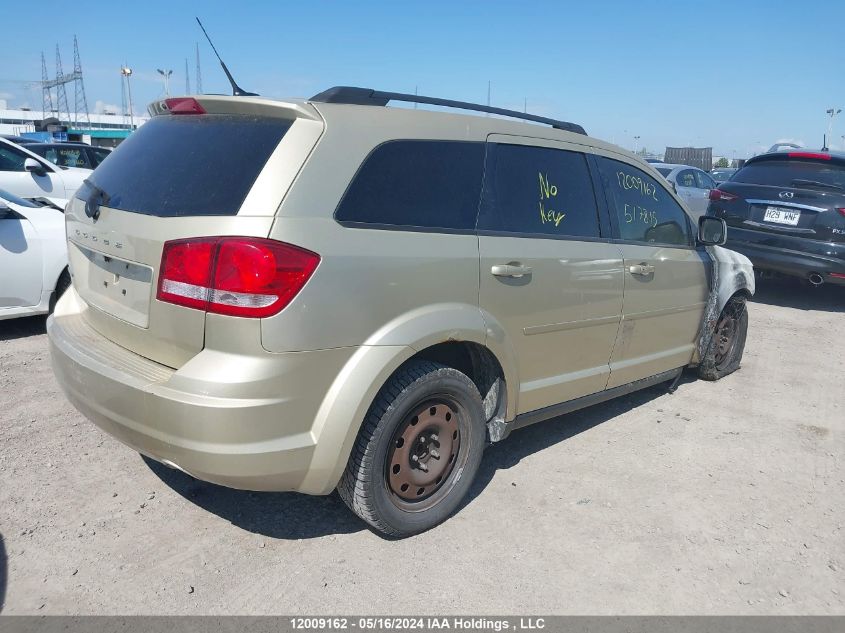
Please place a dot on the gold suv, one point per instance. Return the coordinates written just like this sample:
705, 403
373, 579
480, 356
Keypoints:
331, 293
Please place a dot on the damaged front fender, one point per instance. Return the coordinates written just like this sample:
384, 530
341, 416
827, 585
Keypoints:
732, 273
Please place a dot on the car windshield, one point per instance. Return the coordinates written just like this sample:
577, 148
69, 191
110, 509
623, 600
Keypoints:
792, 173
665, 171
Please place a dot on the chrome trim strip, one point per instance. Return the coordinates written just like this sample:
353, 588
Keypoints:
781, 203
571, 325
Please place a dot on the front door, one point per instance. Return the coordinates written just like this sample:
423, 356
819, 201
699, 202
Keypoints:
20, 261
551, 284
666, 277
16, 180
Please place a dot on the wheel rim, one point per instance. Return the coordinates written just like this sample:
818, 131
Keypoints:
425, 449
726, 337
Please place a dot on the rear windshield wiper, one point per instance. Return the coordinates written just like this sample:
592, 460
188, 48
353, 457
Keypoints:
816, 183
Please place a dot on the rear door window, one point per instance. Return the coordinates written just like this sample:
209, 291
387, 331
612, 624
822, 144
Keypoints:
538, 190
644, 210
183, 165
415, 183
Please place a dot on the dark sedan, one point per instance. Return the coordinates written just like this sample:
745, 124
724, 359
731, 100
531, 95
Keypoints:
786, 212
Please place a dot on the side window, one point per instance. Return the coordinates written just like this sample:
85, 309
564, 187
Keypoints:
432, 184
52, 155
645, 211
11, 159
703, 181
686, 178
538, 190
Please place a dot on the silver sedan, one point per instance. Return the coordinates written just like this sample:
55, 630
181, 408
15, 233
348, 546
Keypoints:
692, 184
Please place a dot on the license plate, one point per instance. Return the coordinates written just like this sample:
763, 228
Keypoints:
782, 216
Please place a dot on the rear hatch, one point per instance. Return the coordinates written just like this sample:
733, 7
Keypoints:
788, 193
203, 167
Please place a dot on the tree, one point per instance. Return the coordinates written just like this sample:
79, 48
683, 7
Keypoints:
722, 162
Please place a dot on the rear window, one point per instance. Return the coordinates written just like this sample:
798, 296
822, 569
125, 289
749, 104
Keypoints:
665, 171
785, 173
182, 165
410, 183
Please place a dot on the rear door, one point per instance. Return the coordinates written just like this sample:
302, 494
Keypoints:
550, 278
666, 277
688, 189
178, 176
704, 183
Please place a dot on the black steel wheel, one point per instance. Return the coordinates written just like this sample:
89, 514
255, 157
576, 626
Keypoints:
727, 344
418, 450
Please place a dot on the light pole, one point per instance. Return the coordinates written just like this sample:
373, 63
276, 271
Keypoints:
166, 74
636, 138
832, 112
127, 72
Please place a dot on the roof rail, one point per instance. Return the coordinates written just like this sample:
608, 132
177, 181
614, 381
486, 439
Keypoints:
368, 96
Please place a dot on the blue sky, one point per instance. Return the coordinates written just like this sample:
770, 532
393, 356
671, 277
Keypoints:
733, 74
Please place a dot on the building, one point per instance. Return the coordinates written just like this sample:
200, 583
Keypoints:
106, 130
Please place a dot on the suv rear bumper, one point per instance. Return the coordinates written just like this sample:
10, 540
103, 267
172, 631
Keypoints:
789, 255
241, 422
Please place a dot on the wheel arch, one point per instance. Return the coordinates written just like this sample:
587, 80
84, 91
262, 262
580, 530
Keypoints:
342, 412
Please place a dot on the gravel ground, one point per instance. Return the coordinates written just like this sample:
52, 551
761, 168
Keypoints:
722, 498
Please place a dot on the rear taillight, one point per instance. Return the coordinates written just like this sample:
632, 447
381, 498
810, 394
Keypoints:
238, 276
718, 194
841, 211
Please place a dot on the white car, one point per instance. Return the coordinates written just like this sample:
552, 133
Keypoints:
28, 175
33, 256
692, 185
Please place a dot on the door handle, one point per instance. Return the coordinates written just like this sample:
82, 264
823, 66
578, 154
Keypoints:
641, 269
510, 270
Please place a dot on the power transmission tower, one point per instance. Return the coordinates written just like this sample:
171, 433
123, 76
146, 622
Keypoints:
46, 93
62, 107
81, 103
61, 94
199, 74
187, 78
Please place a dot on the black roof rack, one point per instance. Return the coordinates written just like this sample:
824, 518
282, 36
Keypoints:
368, 96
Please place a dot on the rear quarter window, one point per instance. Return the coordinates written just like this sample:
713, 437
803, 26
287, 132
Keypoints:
416, 183
187, 165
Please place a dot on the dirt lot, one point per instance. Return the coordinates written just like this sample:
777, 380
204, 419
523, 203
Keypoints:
722, 498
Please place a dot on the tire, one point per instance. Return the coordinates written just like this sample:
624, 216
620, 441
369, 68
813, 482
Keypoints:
61, 285
423, 412
724, 352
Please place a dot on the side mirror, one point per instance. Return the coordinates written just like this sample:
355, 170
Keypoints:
712, 231
34, 167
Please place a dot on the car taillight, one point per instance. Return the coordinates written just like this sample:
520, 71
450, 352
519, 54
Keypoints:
237, 276
718, 194
841, 211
